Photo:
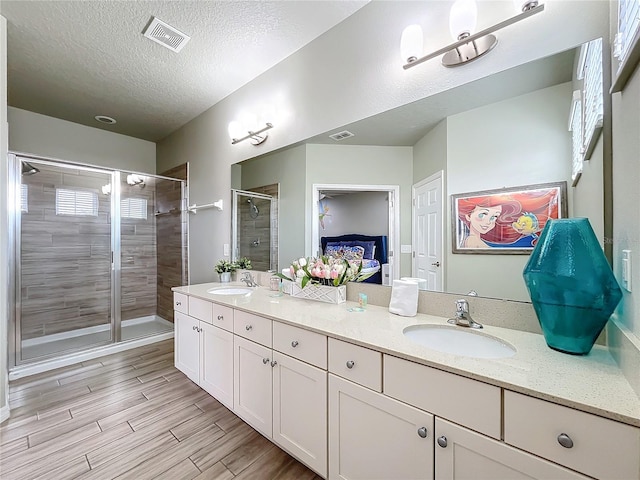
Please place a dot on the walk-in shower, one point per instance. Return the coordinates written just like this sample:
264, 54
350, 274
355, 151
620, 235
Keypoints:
96, 254
255, 227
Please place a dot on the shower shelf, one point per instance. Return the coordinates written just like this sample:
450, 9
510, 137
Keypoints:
194, 208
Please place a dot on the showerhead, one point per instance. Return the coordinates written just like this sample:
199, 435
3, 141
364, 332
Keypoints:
28, 169
253, 212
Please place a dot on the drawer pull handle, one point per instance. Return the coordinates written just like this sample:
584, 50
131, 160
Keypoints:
195, 328
294, 344
265, 361
274, 363
248, 327
422, 432
220, 317
442, 441
350, 364
178, 303
565, 440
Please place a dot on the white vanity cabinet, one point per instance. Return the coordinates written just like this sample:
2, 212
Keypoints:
461, 454
203, 352
372, 436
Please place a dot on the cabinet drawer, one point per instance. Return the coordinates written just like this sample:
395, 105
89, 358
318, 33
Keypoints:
302, 344
252, 327
200, 309
223, 317
358, 364
461, 400
180, 302
537, 426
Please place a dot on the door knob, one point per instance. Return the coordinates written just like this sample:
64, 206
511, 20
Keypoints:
248, 327
274, 363
436, 264
220, 317
422, 432
265, 360
294, 344
350, 364
565, 440
442, 441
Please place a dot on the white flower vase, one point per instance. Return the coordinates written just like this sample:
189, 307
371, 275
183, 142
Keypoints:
225, 277
320, 293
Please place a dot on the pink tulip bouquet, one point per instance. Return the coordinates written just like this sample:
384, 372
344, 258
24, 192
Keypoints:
325, 270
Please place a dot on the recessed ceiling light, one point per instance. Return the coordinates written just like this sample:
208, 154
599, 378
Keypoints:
105, 119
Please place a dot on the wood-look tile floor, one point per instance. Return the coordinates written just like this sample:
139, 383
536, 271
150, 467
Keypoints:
131, 415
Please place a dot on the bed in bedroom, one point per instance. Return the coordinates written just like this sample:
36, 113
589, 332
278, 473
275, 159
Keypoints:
374, 256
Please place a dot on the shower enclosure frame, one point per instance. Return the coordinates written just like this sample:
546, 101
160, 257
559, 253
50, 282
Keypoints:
15, 160
234, 219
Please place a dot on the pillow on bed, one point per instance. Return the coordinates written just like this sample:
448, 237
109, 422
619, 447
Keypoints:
351, 253
368, 246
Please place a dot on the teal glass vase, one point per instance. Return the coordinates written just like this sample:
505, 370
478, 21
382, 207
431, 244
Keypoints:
571, 285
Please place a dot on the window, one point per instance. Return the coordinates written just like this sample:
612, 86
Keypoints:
24, 198
76, 202
575, 127
133, 208
590, 72
628, 26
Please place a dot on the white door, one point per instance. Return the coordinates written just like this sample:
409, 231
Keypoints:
465, 455
428, 258
187, 346
216, 363
372, 436
252, 384
300, 411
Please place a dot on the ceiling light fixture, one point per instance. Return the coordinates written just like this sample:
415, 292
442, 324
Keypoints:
105, 119
257, 137
462, 22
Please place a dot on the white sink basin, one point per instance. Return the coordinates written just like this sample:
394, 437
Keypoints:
230, 291
459, 341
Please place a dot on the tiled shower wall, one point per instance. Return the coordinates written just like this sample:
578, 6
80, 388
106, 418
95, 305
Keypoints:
65, 260
171, 227
258, 236
138, 255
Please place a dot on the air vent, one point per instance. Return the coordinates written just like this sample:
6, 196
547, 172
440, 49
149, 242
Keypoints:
166, 35
341, 135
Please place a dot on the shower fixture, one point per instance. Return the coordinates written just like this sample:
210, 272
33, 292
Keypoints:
28, 169
133, 179
253, 212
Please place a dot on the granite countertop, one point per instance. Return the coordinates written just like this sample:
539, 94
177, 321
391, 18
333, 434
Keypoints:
593, 383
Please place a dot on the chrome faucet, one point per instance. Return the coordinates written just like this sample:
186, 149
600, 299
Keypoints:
463, 317
248, 279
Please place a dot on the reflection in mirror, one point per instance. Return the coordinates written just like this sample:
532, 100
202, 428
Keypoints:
507, 130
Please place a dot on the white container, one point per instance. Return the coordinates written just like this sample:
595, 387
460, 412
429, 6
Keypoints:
320, 293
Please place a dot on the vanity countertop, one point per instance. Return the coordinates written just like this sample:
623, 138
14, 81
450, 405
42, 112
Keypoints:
592, 383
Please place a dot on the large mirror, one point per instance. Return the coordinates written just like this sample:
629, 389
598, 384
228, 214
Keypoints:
508, 130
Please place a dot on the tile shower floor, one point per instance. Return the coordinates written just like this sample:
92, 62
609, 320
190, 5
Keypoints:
90, 337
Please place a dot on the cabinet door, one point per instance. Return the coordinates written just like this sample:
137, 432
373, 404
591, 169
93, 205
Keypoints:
376, 437
300, 411
187, 345
252, 384
470, 455
216, 363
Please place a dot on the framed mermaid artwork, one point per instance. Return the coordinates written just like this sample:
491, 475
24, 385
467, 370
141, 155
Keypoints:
505, 221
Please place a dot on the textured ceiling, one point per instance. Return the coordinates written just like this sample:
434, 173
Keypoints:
77, 59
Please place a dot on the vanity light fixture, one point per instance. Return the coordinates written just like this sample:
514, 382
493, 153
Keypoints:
469, 46
133, 179
257, 136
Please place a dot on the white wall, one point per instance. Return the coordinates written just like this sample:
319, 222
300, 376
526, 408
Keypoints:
51, 137
363, 165
350, 73
365, 213
4, 226
430, 153
532, 129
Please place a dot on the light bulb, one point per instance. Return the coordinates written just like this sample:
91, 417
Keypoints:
463, 18
249, 122
411, 43
235, 130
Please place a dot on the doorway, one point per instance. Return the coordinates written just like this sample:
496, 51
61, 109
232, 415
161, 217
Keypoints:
390, 209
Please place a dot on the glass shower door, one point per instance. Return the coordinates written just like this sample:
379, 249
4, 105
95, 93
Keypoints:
254, 229
64, 264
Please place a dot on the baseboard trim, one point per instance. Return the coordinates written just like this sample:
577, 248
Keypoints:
4, 413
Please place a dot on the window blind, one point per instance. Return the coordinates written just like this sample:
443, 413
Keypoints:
24, 198
628, 26
575, 126
133, 208
592, 95
76, 202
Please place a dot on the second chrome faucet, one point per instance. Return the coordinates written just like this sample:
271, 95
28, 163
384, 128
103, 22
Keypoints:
462, 316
